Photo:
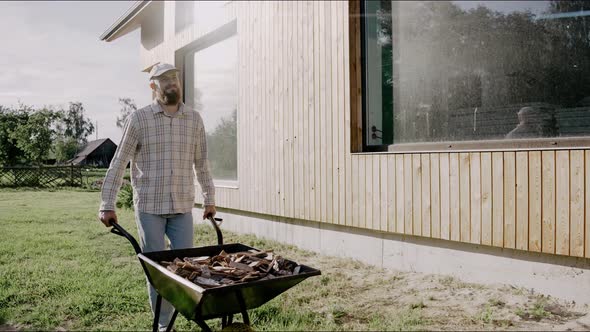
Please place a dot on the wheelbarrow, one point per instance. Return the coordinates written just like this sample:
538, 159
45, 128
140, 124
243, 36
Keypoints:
200, 304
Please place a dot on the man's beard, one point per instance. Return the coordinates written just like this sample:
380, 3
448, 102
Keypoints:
170, 97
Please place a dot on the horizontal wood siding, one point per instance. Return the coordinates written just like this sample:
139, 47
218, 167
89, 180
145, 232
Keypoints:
295, 134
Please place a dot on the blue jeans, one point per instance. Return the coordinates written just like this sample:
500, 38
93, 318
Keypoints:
152, 228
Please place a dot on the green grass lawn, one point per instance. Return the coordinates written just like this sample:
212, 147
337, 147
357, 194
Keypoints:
60, 268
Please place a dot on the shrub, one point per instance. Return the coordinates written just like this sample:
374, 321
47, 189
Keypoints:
125, 197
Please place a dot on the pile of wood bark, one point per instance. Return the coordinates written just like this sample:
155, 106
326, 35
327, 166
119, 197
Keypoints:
228, 269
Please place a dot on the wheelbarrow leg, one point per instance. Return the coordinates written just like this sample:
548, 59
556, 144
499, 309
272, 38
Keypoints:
243, 309
157, 313
226, 320
171, 324
155, 325
203, 326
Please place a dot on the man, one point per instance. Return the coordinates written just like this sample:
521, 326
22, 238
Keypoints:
163, 141
527, 126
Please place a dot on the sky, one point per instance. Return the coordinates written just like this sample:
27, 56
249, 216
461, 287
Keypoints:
52, 55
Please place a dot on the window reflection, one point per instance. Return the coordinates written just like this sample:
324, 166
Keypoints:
215, 97
475, 70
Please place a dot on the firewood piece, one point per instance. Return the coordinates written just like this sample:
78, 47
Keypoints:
183, 273
260, 254
172, 267
263, 266
248, 256
189, 266
238, 273
221, 259
250, 277
205, 272
275, 265
206, 282
193, 275
198, 260
241, 266
238, 258
201, 258
223, 268
226, 281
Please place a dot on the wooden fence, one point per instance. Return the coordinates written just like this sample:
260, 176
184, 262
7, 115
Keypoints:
42, 176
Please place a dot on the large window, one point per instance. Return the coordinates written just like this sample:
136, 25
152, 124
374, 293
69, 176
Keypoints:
211, 79
446, 71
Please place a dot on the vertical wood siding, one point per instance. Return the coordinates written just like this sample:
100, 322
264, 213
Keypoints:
294, 143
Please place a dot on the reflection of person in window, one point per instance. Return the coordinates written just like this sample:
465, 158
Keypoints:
527, 128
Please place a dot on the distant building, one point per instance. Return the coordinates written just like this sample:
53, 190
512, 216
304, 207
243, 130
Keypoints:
97, 153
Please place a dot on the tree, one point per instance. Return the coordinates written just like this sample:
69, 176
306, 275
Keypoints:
27, 135
128, 107
10, 119
74, 124
222, 146
65, 148
72, 131
35, 136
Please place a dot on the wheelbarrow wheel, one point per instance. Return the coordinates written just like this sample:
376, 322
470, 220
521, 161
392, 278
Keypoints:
238, 327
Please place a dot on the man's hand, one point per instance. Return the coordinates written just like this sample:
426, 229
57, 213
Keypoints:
209, 211
107, 216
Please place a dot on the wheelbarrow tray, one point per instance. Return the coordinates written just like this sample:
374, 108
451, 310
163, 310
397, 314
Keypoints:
198, 303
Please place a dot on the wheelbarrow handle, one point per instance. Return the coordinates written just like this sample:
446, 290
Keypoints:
119, 230
216, 222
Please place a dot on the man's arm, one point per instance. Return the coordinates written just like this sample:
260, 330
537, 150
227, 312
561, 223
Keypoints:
114, 177
202, 170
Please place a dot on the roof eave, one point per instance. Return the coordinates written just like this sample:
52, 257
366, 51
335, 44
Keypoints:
125, 23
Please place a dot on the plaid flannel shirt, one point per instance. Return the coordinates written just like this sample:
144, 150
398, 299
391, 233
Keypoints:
162, 150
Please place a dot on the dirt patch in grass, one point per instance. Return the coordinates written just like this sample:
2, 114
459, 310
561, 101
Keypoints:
421, 301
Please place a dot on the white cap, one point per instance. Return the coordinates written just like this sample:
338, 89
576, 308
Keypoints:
160, 69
